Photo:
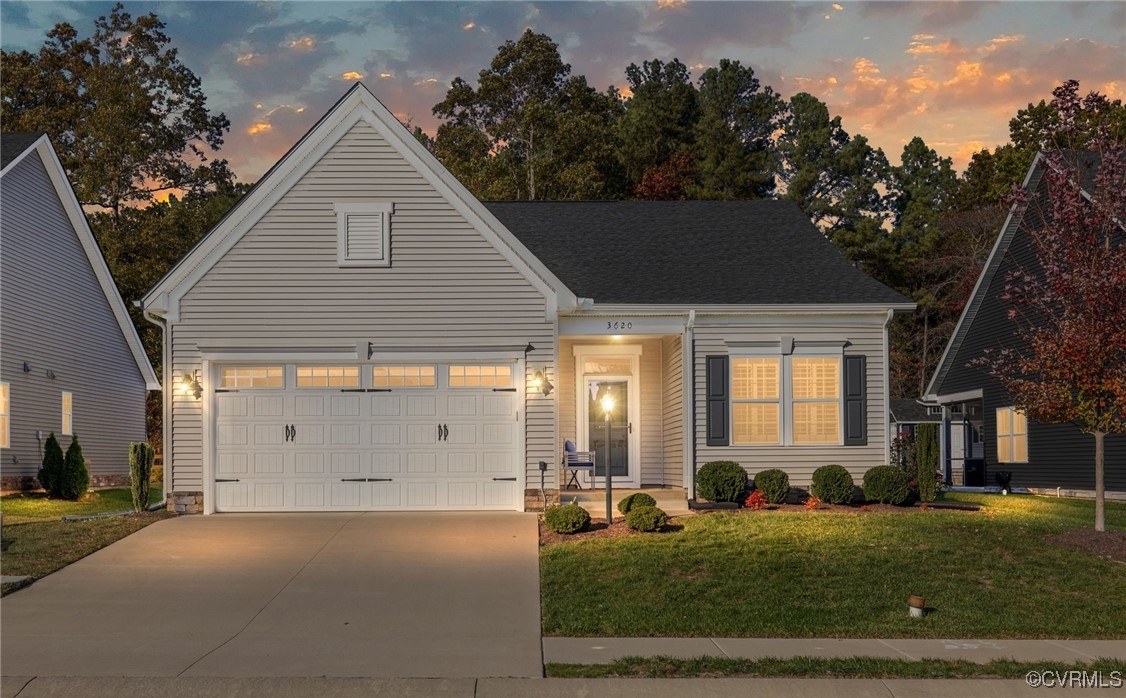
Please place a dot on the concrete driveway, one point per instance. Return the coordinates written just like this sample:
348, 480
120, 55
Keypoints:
341, 595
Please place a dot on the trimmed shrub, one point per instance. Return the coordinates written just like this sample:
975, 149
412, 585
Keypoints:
775, 484
722, 481
926, 454
52, 470
833, 484
567, 518
637, 499
646, 518
141, 456
75, 480
887, 484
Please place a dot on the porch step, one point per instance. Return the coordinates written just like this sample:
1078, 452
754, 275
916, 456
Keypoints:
674, 500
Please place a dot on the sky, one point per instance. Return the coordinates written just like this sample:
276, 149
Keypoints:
951, 72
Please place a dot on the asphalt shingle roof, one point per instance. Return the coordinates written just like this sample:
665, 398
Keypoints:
689, 252
13, 144
909, 411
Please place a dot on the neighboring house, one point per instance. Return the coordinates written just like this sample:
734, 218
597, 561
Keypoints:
982, 432
70, 359
361, 333
908, 413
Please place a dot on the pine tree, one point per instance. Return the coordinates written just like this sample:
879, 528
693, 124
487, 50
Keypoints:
74, 480
51, 471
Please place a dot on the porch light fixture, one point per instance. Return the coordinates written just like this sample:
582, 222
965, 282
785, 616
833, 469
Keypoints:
190, 385
542, 384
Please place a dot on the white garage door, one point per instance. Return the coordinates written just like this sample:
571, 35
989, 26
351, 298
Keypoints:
362, 438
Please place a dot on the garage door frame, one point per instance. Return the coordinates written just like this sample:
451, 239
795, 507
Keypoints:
212, 360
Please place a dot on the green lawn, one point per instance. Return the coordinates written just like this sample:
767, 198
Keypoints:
813, 574
35, 506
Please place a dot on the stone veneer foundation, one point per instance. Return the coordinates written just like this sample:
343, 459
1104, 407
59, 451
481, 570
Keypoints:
185, 502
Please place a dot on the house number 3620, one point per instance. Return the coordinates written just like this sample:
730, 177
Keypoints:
620, 325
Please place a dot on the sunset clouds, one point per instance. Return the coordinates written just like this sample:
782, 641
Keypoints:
951, 72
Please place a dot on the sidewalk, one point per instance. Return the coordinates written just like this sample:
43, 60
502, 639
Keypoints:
600, 650
199, 687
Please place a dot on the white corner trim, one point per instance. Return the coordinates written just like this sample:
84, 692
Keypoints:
77, 218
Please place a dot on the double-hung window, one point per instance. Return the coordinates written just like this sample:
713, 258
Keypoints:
5, 415
786, 400
68, 414
1012, 436
756, 400
816, 391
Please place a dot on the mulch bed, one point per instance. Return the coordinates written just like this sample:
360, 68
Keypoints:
598, 529
1110, 544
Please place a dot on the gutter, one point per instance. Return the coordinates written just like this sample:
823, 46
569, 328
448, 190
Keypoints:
165, 397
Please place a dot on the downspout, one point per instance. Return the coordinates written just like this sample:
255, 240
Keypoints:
690, 361
887, 390
165, 396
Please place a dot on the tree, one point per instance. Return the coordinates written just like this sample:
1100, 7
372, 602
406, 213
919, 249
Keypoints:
126, 117
141, 456
50, 473
926, 458
529, 130
660, 117
668, 181
990, 176
1068, 363
733, 135
74, 480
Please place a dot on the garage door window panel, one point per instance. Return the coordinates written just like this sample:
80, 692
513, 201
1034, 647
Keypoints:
328, 376
256, 377
480, 376
403, 376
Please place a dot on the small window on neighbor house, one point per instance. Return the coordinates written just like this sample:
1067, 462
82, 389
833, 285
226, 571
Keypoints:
252, 377
364, 234
756, 400
403, 376
1012, 436
328, 376
480, 376
68, 414
5, 415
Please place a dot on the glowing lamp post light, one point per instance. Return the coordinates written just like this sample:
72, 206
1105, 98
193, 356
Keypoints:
608, 410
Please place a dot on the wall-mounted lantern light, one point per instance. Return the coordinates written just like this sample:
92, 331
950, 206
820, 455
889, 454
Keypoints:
190, 385
542, 384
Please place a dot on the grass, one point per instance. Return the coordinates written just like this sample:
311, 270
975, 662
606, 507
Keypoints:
38, 549
35, 506
806, 574
821, 667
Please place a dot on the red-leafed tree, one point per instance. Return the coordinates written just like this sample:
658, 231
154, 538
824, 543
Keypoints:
1069, 308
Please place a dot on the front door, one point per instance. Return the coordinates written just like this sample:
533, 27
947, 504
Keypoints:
609, 438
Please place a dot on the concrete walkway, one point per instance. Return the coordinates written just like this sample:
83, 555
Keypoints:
523, 688
601, 650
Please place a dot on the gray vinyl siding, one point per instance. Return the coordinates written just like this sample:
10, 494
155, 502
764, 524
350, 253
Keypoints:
447, 287
1059, 454
672, 393
56, 317
798, 461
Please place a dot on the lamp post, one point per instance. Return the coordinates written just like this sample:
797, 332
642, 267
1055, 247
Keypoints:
608, 410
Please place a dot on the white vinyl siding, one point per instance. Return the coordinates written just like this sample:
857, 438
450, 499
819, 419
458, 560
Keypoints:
5, 415
328, 376
280, 286
68, 414
672, 410
364, 234
1012, 436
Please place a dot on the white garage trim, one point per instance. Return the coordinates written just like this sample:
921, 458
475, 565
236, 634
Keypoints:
211, 365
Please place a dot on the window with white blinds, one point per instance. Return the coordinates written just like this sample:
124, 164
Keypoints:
364, 234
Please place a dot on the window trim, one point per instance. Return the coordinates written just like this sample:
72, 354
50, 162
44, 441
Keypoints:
67, 426
6, 413
343, 210
1012, 435
786, 394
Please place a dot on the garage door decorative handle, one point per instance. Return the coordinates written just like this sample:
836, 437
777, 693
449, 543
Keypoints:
504, 479
222, 480
445, 433
364, 479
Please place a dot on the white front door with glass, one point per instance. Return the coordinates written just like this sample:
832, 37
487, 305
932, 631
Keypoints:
607, 410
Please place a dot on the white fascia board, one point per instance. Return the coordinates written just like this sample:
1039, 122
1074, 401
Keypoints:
358, 105
98, 264
601, 310
975, 394
1000, 247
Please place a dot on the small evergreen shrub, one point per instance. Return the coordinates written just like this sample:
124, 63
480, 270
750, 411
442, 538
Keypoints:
887, 484
52, 470
927, 461
141, 456
775, 484
646, 518
637, 499
722, 481
833, 484
75, 480
567, 518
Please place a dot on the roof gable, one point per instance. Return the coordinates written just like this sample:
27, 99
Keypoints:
42, 146
357, 105
16, 144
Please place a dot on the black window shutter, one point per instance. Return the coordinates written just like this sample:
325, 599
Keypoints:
856, 401
718, 400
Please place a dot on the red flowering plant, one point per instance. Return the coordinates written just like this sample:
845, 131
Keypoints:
813, 502
755, 500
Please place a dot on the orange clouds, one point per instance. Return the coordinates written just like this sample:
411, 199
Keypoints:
352, 75
260, 127
304, 43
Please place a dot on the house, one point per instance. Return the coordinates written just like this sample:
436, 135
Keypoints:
908, 413
70, 359
361, 333
982, 432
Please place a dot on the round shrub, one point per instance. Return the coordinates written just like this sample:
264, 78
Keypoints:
722, 481
887, 484
569, 518
637, 499
646, 518
833, 484
775, 484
